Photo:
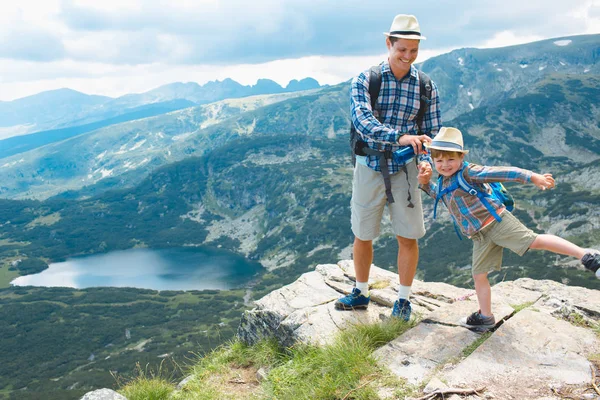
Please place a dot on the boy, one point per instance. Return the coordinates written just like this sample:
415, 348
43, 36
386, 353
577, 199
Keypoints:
475, 220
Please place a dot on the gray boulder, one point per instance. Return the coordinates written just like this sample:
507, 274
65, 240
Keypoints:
103, 394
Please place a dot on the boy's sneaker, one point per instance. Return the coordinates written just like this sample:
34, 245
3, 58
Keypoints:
353, 301
476, 320
591, 261
401, 309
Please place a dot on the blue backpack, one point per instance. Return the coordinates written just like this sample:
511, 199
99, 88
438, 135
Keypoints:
495, 190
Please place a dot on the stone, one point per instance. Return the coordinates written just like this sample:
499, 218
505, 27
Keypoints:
184, 382
418, 353
103, 394
528, 354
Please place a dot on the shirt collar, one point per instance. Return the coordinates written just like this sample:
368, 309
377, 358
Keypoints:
385, 69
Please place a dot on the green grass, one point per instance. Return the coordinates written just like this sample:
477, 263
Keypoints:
343, 369
6, 276
147, 385
520, 307
467, 351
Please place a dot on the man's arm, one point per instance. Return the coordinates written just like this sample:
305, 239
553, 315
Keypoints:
363, 119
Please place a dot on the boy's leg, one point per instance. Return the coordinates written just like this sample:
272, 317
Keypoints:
557, 245
487, 257
484, 293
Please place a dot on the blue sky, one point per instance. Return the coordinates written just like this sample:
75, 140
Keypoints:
116, 47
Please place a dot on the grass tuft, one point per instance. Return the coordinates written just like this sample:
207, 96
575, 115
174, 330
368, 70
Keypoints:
147, 385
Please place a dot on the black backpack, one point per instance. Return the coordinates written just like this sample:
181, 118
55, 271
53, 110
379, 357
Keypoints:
358, 147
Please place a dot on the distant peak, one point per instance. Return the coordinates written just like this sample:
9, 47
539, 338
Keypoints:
303, 84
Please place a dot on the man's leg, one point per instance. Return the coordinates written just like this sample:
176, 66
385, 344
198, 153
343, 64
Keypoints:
408, 258
363, 258
367, 205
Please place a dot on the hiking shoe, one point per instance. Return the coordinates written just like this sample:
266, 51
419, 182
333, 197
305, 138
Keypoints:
476, 320
353, 301
591, 261
401, 309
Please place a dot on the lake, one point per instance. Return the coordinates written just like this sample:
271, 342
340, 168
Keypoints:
187, 268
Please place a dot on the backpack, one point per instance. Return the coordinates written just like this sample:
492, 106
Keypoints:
495, 190
359, 147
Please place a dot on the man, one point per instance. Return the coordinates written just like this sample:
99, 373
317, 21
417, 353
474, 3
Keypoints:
397, 107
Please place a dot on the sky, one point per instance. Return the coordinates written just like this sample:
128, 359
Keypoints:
113, 48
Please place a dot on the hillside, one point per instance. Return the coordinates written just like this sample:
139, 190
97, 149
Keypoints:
468, 79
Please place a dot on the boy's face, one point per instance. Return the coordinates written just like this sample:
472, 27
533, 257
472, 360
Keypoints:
448, 164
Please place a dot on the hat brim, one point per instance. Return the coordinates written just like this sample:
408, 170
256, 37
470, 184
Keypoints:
448, 149
413, 37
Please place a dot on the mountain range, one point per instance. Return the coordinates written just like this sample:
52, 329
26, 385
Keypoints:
63, 108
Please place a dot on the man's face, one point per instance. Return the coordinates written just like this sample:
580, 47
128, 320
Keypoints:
402, 54
448, 165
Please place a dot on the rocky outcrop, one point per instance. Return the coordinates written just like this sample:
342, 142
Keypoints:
542, 343
103, 394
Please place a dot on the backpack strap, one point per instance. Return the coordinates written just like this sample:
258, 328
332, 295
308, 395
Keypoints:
474, 191
425, 86
440, 194
374, 85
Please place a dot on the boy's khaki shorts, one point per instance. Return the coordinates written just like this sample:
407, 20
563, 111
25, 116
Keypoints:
369, 200
489, 242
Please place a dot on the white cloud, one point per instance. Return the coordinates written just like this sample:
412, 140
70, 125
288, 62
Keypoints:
115, 47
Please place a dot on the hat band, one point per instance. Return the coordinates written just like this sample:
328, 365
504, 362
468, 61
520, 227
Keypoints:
405, 33
449, 145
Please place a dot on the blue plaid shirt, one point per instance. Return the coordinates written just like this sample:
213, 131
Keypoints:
398, 103
468, 211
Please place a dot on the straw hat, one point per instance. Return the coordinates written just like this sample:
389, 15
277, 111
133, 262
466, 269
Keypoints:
405, 27
448, 139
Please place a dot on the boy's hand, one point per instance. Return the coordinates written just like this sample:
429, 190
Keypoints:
545, 181
424, 173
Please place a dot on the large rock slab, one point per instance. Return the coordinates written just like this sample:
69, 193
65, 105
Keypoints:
527, 356
437, 339
415, 355
304, 310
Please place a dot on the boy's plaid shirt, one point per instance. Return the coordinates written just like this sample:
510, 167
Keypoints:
468, 211
398, 103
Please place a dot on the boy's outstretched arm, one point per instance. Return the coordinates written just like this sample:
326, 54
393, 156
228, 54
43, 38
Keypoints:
543, 181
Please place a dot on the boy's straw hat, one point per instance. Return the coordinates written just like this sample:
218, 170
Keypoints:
448, 139
405, 27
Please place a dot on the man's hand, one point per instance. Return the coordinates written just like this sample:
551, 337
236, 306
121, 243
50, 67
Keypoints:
424, 173
545, 181
415, 141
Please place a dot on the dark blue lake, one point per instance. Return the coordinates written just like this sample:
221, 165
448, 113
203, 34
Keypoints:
187, 268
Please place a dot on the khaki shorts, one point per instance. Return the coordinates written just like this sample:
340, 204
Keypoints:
489, 242
369, 201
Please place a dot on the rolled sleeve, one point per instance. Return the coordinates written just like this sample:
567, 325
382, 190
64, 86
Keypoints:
365, 122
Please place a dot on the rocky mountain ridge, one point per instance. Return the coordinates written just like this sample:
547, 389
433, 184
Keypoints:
544, 345
66, 107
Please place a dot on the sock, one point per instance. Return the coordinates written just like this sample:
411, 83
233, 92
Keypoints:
363, 287
404, 292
